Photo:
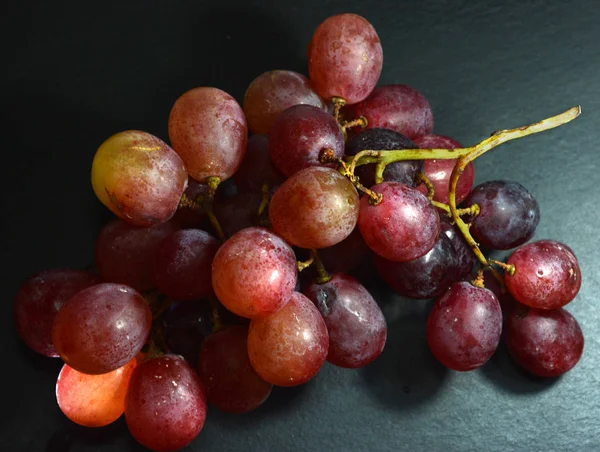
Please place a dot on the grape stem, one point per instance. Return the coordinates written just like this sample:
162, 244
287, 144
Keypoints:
508, 268
479, 280
338, 103
213, 183
186, 202
360, 121
322, 275
422, 178
301, 265
264, 202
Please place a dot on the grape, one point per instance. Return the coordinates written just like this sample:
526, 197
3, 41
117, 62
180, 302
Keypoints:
439, 171
355, 324
300, 134
138, 177
272, 92
380, 140
101, 328
238, 212
547, 275
396, 107
207, 128
464, 327
289, 347
40, 298
425, 277
345, 58
93, 400
257, 168
403, 227
315, 208
466, 260
182, 264
254, 273
123, 253
165, 407
231, 383
508, 214
546, 343
346, 255
193, 217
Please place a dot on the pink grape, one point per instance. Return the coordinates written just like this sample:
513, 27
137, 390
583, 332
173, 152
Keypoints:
396, 107
315, 208
207, 128
254, 273
40, 298
345, 58
101, 328
272, 92
165, 407
404, 226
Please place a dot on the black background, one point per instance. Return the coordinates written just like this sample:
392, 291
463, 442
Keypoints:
74, 73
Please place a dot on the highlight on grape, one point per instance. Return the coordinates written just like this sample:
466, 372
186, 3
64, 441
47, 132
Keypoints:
196, 296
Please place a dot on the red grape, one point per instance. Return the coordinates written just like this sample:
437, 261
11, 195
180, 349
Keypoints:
289, 347
380, 140
93, 400
396, 107
425, 277
207, 128
547, 275
464, 327
254, 273
138, 177
257, 168
508, 215
466, 259
403, 227
300, 134
40, 298
355, 324
439, 171
231, 383
346, 255
182, 264
123, 252
165, 407
546, 343
193, 217
238, 212
315, 208
101, 328
272, 92
345, 58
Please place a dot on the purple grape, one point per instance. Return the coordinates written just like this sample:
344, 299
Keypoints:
464, 255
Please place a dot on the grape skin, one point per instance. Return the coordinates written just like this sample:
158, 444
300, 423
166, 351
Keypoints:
465, 257
238, 212
547, 275
208, 129
138, 177
40, 298
101, 328
315, 208
257, 168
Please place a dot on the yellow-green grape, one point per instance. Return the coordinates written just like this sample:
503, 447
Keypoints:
138, 177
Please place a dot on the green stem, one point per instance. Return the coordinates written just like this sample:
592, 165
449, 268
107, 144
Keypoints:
213, 183
322, 275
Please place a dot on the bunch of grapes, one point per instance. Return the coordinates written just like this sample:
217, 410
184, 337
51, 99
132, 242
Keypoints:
195, 294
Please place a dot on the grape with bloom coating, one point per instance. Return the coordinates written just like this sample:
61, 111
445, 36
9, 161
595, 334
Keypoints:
101, 328
271, 93
138, 177
224, 367
546, 343
40, 298
403, 226
207, 128
345, 58
464, 327
289, 347
254, 273
93, 400
165, 407
315, 208
396, 107
547, 275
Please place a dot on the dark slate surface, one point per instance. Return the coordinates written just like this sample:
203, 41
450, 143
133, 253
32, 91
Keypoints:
74, 73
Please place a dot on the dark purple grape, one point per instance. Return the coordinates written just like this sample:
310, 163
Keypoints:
464, 255
356, 326
257, 168
193, 217
546, 343
508, 214
464, 327
384, 139
238, 212
425, 277
346, 255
